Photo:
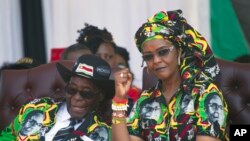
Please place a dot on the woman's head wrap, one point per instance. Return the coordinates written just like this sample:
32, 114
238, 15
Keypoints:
198, 66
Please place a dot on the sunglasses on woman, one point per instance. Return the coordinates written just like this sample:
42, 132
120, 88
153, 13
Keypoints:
84, 94
160, 53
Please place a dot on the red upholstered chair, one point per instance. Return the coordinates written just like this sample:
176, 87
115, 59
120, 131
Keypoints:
234, 81
20, 86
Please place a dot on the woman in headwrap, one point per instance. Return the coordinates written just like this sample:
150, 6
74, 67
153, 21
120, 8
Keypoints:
175, 108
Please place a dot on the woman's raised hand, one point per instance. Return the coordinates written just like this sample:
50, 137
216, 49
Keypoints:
123, 80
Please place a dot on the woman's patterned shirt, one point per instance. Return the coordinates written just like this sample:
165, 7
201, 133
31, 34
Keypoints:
186, 115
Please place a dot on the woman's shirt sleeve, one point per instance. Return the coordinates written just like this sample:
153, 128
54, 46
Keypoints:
211, 113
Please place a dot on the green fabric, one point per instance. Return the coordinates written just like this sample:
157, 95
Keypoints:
228, 41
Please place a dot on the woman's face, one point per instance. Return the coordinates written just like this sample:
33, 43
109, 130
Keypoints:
107, 53
161, 58
119, 60
81, 96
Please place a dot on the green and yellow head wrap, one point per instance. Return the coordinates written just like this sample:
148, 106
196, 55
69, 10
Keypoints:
162, 26
198, 66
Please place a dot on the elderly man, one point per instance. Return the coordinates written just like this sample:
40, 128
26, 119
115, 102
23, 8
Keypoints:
76, 118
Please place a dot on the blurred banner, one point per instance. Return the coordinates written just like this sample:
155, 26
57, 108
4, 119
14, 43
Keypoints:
228, 38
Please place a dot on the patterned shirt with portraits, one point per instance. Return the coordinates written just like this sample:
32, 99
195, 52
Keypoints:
37, 117
182, 119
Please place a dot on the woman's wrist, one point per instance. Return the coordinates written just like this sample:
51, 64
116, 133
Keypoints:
120, 100
119, 107
119, 104
118, 117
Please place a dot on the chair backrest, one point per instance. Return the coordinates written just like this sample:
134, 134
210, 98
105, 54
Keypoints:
20, 86
234, 81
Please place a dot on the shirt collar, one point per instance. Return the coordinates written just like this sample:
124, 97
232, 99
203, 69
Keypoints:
63, 114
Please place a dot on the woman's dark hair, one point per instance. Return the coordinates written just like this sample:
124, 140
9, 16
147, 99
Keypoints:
73, 48
92, 36
123, 53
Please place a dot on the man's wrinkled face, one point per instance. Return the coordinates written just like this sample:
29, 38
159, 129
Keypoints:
81, 96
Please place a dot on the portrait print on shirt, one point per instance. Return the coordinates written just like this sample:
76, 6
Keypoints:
99, 134
150, 114
151, 111
32, 123
35, 119
187, 104
215, 113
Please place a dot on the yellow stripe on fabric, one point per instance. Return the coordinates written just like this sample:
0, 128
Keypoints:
198, 40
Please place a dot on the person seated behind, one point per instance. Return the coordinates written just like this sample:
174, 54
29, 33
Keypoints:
243, 59
121, 57
180, 58
100, 42
122, 61
76, 117
74, 51
22, 63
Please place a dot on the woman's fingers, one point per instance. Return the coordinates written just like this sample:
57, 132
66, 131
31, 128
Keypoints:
121, 74
122, 81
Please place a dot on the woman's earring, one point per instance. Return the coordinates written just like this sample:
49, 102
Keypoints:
148, 71
179, 60
179, 56
142, 63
